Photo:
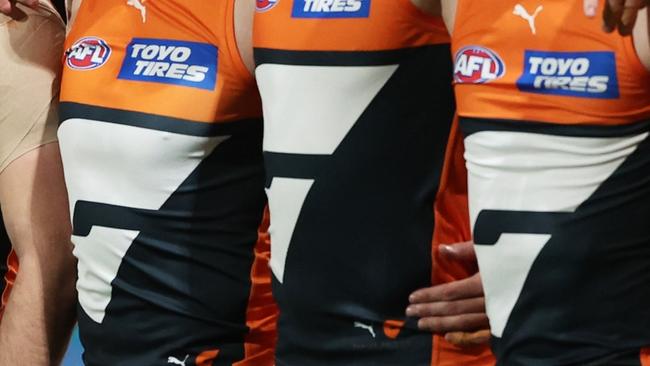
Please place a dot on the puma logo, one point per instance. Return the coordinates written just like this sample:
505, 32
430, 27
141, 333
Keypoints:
176, 361
367, 327
522, 12
140, 6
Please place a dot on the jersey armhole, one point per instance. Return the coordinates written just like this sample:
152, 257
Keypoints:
633, 57
425, 21
425, 18
231, 42
456, 16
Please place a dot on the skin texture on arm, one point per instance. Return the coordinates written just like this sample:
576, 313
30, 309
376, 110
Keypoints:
73, 9
40, 311
40, 314
641, 34
244, 13
448, 12
7, 6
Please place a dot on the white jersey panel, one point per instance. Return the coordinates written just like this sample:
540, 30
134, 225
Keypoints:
517, 171
308, 110
125, 166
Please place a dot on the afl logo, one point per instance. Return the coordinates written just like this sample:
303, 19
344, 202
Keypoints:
88, 53
477, 65
264, 5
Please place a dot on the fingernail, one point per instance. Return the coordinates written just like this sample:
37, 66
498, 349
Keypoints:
412, 298
446, 249
409, 311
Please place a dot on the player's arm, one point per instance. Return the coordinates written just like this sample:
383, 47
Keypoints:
628, 17
40, 314
244, 13
432, 7
443, 8
456, 309
622, 15
7, 6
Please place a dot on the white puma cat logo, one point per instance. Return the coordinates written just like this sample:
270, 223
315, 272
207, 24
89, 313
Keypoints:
366, 327
522, 12
176, 361
140, 6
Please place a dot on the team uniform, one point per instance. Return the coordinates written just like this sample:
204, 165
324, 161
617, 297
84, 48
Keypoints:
161, 138
555, 117
354, 145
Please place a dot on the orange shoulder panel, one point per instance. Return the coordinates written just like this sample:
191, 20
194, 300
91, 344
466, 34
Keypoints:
526, 61
114, 32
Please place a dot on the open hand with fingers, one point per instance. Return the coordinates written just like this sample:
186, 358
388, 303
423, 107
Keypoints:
7, 6
456, 309
618, 15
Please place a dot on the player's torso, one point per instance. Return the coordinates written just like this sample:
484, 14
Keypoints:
161, 143
357, 106
555, 116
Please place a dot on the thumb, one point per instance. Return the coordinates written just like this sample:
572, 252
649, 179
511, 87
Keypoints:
460, 251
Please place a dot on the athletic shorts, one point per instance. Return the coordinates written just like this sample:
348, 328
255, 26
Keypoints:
31, 44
